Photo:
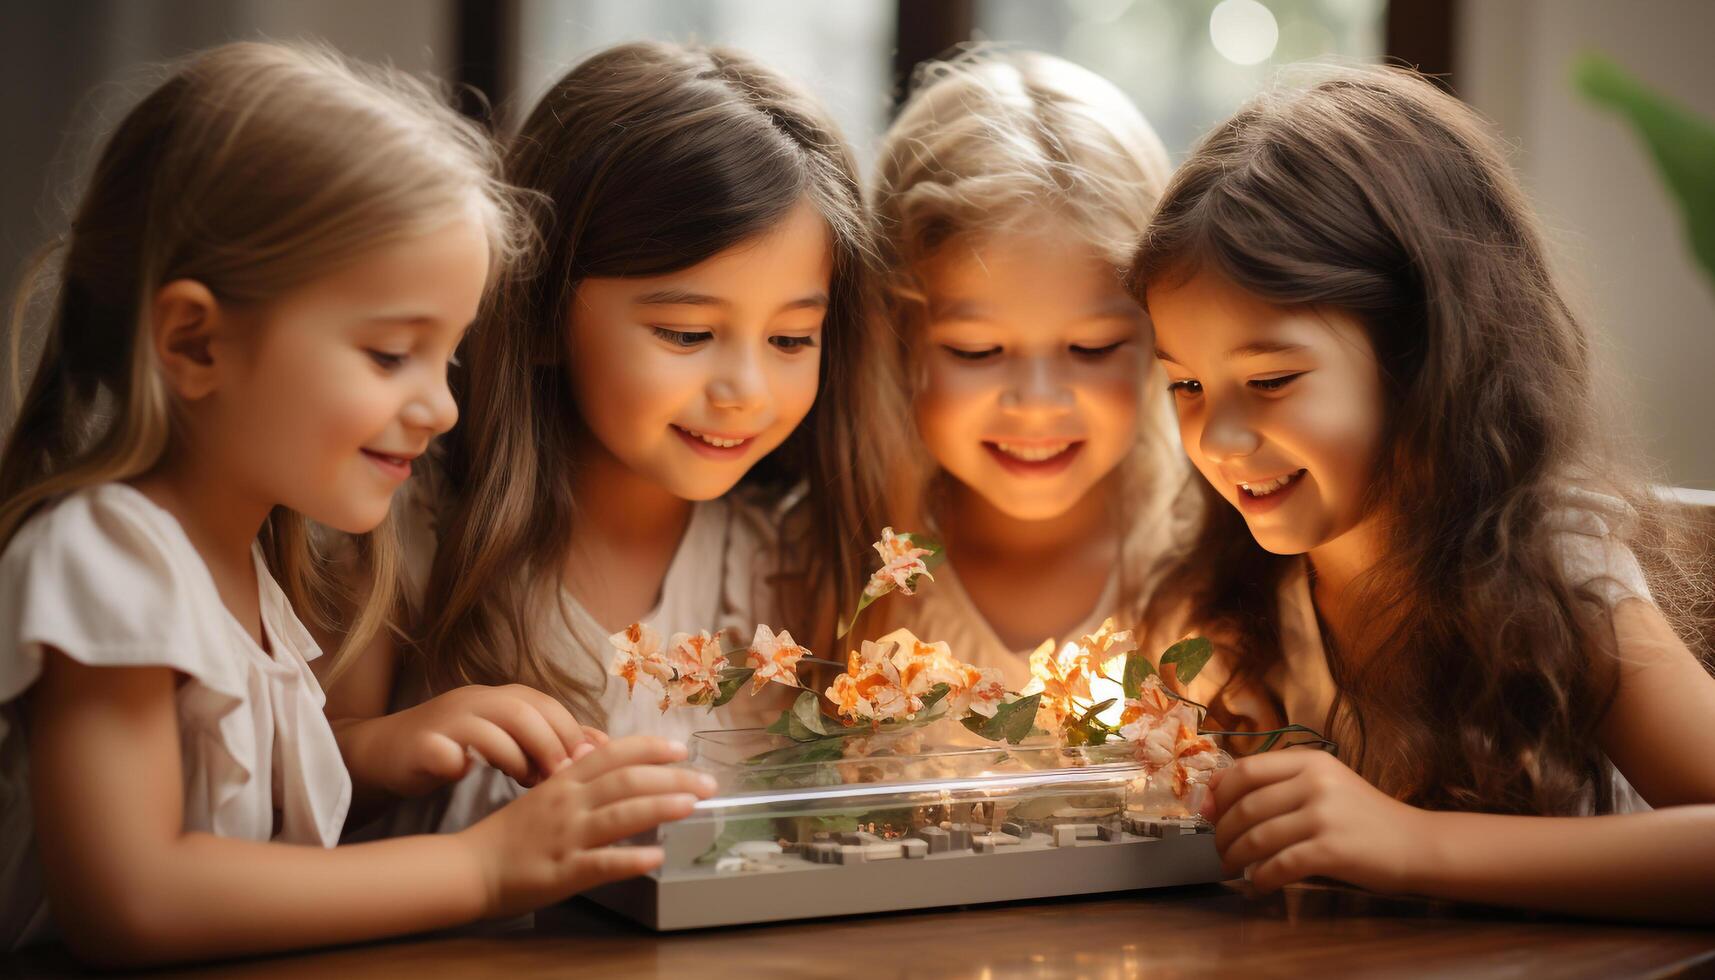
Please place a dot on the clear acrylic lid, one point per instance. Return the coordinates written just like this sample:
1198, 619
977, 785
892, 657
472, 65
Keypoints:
765, 775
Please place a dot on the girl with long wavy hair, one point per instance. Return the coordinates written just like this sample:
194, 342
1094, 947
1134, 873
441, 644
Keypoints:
1419, 542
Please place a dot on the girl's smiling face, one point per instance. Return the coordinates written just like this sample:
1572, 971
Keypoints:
334, 388
1281, 409
689, 379
1031, 368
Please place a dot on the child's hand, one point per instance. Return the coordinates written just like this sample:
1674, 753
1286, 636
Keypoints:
519, 730
552, 841
1287, 816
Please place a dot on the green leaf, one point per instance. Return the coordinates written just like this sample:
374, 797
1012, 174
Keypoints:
1012, 722
807, 711
1188, 657
1681, 142
731, 679
935, 694
863, 603
1137, 670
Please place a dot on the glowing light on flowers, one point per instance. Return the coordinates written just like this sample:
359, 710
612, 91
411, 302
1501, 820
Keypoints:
901, 564
775, 657
640, 654
871, 689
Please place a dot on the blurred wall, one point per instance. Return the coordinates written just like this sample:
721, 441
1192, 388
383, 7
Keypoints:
1616, 232
68, 68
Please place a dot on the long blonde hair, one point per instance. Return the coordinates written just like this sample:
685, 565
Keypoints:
989, 142
252, 169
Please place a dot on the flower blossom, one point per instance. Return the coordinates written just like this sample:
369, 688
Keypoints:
1163, 731
871, 688
775, 658
901, 563
640, 653
696, 660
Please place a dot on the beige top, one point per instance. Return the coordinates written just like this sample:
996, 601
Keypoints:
109, 579
1300, 689
716, 579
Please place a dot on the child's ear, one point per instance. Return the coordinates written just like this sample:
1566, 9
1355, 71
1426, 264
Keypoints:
184, 319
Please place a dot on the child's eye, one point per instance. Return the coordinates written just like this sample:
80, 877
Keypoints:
791, 344
682, 338
964, 354
1097, 353
386, 361
1275, 384
1187, 388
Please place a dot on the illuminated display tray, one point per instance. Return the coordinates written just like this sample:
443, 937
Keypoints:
905, 820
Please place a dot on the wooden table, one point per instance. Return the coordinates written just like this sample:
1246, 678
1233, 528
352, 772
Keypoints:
1210, 930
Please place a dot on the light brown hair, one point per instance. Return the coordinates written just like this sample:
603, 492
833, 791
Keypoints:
253, 169
648, 158
1478, 673
991, 142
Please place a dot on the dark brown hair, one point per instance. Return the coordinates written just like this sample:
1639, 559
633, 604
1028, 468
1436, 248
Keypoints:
1478, 674
649, 158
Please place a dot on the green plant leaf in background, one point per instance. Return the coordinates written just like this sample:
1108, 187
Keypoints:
1682, 143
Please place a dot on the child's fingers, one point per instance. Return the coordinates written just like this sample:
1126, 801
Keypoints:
534, 734
600, 865
617, 821
495, 745
1254, 772
632, 750
1295, 863
595, 735
633, 781
1266, 839
566, 728
1258, 806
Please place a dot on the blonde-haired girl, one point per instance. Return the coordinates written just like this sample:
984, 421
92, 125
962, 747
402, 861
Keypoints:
273, 262
1009, 194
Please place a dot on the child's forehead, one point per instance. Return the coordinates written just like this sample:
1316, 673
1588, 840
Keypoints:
1206, 316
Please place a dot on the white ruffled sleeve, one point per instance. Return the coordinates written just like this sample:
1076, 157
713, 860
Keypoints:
99, 578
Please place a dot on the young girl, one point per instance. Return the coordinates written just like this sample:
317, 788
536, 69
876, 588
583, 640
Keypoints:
272, 265
1444, 568
691, 327
1009, 194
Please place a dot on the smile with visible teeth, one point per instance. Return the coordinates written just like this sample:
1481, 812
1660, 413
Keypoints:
1267, 487
712, 440
1032, 454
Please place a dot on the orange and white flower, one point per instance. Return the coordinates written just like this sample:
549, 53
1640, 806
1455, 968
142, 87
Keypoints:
901, 563
1061, 676
923, 665
1164, 734
871, 689
696, 660
775, 658
640, 654
980, 691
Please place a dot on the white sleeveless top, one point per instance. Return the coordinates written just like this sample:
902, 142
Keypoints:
109, 579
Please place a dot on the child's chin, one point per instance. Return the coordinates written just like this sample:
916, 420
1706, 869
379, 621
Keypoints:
1274, 542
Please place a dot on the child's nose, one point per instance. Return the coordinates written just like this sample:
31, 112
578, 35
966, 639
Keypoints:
434, 408
1227, 434
738, 384
1036, 389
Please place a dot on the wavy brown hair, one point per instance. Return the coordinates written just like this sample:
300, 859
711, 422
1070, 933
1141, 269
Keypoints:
252, 169
647, 158
1477, 675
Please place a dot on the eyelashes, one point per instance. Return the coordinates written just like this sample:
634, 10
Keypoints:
682, 338
1078, 350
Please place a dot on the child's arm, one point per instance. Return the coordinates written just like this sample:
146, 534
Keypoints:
1292, 815
128, 885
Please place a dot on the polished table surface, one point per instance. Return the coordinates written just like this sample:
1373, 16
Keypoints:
1208, 930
